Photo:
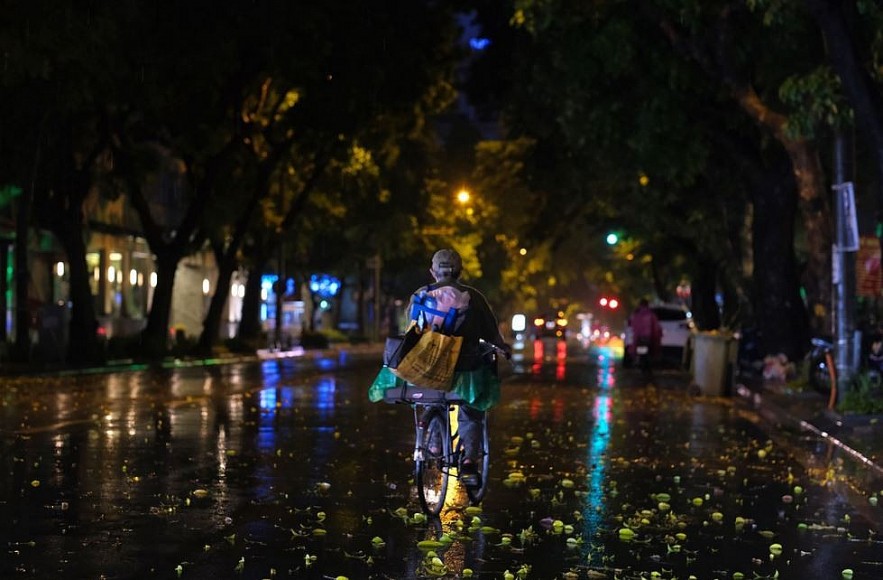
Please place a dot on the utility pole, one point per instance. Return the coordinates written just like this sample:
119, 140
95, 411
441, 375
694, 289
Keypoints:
376, 263
846, 340
280, 291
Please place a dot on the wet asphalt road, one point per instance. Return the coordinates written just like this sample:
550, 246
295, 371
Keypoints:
284, 469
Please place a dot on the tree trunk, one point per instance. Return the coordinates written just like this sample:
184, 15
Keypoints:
4, 305
781, 317
22, 276
814, 208
155, 335
83, 345
360, 299
658, 282
250, 330
704, 287
212, 323
59, 208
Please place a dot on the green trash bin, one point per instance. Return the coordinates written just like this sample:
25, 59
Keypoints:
713, 362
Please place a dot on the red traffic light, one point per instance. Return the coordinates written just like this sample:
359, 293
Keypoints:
611, 303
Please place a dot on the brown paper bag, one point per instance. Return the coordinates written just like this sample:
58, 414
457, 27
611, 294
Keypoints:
430, 363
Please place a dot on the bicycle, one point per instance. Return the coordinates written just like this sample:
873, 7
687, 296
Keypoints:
437, 453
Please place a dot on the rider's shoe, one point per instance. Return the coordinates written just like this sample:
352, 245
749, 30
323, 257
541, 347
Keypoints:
469, 475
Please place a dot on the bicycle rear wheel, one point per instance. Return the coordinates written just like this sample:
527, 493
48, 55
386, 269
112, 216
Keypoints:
431, 469
475, 493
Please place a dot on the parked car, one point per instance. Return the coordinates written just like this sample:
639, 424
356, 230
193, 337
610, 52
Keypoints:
677, 326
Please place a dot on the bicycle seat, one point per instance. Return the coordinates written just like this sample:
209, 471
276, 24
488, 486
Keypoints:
422, 395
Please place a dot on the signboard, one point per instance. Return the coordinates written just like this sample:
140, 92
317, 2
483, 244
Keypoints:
847, 229
867, 267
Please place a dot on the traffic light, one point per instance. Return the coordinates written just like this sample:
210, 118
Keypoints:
612, 238
608, 302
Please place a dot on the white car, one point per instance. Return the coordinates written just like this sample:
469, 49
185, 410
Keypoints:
677, 326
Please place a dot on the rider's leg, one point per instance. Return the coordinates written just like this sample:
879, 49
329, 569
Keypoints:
470, 426
470, 423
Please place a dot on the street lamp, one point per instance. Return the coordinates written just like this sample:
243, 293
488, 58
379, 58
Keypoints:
464, 198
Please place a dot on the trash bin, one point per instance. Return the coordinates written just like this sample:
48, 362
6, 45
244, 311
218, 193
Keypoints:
713, 363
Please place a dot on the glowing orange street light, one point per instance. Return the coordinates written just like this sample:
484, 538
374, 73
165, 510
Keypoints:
463, 196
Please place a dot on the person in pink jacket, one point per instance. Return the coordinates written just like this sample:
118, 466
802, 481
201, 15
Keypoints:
645, 330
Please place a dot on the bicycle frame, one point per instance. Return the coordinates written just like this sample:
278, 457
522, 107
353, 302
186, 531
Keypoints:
432, 410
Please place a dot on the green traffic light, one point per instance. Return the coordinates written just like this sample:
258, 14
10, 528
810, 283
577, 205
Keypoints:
612, 239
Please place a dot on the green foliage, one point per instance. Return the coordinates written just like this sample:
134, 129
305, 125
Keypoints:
334, 335
864, 395
773, 11
816, 100
614, 117
8, 193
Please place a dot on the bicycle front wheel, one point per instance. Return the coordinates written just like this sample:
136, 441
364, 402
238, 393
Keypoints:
431, 466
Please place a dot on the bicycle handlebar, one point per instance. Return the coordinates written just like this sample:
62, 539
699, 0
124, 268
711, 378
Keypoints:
506, 352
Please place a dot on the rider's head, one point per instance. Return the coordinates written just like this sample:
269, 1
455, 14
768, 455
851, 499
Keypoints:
446, 265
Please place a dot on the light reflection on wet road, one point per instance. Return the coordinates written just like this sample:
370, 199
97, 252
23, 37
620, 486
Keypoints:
258, 470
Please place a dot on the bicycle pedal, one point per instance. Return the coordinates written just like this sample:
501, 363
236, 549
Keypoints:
471, 479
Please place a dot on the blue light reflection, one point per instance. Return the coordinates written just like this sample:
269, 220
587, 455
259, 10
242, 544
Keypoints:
270, 371
595, 510
599, 439
326, 363
324, 393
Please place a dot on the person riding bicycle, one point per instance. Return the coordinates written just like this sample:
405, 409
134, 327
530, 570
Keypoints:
474, 379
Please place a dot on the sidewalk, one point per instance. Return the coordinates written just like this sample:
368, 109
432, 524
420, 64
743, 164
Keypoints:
859, 436
341, 351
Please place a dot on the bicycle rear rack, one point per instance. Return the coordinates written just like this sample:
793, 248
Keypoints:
412, 394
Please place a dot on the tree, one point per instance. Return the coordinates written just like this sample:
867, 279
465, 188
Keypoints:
851, 31
716, 51
612, 113
618, 149
244, 104
57, 93
389, 69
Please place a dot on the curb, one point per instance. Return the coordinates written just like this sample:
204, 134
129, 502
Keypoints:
757, 399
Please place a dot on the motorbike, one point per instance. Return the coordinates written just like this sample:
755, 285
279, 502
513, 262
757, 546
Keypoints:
642, 357
820, 358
